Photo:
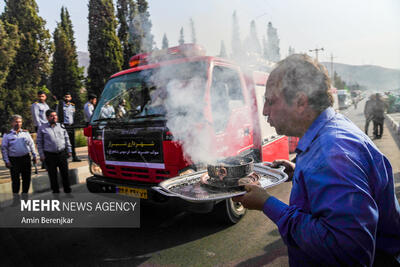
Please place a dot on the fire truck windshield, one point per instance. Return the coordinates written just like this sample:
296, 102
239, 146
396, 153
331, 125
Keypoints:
142, 94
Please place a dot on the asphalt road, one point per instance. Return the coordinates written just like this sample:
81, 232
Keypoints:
167, 237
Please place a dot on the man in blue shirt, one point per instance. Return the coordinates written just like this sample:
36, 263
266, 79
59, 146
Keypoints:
54, 149
343, 209
15, 147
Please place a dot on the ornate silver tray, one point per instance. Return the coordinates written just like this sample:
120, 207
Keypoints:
188, 187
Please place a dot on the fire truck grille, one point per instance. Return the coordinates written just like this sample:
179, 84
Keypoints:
137, 173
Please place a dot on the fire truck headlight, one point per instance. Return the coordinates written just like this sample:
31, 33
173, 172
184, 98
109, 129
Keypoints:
95, 168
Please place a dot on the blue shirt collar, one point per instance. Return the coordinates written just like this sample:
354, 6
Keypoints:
313, 130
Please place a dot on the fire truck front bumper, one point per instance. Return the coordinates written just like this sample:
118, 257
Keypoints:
143, 191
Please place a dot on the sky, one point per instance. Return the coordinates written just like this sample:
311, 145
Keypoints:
356, 32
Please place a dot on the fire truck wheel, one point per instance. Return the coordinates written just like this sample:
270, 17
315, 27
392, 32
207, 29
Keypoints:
230, 212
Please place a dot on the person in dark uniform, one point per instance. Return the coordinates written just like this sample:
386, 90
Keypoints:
378, 116
15, 147
368, 111
66, 113
54, 149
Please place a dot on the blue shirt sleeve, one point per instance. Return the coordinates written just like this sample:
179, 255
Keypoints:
340, 224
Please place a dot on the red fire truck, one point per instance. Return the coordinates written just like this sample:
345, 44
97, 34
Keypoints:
131, 147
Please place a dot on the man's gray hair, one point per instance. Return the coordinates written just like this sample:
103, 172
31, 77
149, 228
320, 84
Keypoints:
15, 117
300, 73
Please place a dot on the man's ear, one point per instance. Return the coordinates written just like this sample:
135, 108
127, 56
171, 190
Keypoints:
301, 102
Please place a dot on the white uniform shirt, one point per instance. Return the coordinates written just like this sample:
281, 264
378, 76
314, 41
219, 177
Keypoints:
38, 110
69, 111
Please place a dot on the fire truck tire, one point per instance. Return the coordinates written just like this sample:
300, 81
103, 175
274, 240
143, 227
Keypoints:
230, 212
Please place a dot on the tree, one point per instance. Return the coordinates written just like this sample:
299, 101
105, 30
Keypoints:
123, 30
144, 16
165, 42
66, 75
252, 43
236, 43
9, 43
222, 51
337, 81
135, 34
181, 40
264, 43
129, 32
104, 46
30, 68
66, 24
272, 51
193, 31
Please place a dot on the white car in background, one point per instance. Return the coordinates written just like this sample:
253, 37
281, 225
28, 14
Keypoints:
344, 99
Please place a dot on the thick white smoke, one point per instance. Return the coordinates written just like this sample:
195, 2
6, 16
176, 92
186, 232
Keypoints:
185, 119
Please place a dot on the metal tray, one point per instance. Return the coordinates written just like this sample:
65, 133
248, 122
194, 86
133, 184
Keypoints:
188, 186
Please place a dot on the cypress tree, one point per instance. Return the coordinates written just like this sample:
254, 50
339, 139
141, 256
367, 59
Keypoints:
66, 24
104, 46
236, 43
123, 31
181, 40
165, 42
222, 52
9, 43
66, 75
193, 30
31, 67
135, 34
144, 16
273, 50
252, 43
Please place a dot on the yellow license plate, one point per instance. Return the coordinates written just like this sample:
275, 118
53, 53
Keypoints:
132, 192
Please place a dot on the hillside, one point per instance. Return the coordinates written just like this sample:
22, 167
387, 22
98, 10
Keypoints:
374, 78
83, 60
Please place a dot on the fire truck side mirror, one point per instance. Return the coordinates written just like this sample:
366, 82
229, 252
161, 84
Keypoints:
87, 131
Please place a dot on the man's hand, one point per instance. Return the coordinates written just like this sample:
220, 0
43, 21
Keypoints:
254, 199
8, 164
69, 154
289, 166
42, 159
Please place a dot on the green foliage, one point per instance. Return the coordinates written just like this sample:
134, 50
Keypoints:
181, 40
9, 43
222, 52
193, 31
66, 75
338, 82
31, 67
80, 139
126, 12
165, 42
236, 42
145, 23
104, 45
135, 29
